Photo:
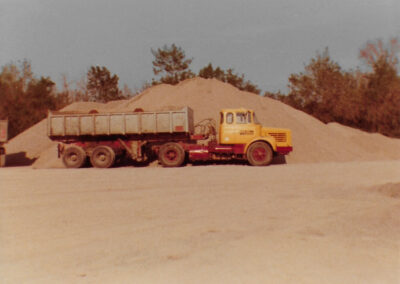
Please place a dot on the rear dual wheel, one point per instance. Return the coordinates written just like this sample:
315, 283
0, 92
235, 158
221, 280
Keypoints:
171, 155
102, 157
74, 157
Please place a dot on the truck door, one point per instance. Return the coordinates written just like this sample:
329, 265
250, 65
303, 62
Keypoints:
238, 128
225, 128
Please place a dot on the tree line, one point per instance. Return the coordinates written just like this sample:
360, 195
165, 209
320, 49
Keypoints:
25, 99
369, 100
172, 66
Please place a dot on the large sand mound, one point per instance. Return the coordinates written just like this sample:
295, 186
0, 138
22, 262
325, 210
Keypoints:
313, 140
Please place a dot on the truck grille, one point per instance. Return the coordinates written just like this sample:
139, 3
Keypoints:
279, 136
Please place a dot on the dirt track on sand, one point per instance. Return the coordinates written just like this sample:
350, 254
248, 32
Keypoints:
299, 223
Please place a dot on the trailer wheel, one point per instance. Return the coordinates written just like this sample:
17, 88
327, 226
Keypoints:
259, 154
171, 155
74, 157
102, 157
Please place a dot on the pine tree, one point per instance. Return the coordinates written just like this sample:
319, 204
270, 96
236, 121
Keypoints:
101, 85
171, 64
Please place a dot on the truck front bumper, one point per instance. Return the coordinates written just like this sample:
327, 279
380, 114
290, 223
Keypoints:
284, 150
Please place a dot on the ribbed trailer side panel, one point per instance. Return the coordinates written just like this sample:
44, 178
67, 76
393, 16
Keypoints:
67, 124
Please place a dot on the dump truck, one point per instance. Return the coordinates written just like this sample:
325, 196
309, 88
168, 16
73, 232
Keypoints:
169, 136
3, 140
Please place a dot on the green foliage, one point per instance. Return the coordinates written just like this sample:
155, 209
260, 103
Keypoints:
209, 72
324, 90
171, 64
381, 99
102, 86
229, 77
369, 101
24, 99
173, 67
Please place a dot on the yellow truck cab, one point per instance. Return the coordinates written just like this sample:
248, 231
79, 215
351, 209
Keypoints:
241, 127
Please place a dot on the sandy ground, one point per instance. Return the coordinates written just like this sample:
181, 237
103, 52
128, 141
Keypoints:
299, 223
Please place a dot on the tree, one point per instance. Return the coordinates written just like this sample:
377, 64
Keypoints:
24, 99
381, 93
325, 91
369, 101
171, 64
229, 77
374, 51
209, 72
101, 85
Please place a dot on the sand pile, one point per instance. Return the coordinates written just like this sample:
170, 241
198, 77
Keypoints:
313, 140
25, 148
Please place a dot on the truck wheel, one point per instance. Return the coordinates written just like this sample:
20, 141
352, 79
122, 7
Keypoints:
102, 157
259, 154
171, 155
74, 157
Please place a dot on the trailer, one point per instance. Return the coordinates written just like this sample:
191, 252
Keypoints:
170, 136
3, 140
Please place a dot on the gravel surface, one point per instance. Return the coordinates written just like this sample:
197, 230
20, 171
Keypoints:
295, 223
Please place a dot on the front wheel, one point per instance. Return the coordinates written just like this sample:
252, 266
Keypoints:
259, 154
102, 157
171, 155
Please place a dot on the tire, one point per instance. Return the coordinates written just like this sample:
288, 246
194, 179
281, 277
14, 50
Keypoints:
171, 155
102, 157
74, 157
259, 154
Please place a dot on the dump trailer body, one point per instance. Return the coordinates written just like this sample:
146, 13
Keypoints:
3, 139
75, 125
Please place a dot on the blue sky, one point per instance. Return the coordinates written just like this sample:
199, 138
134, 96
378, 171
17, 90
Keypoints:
265, 40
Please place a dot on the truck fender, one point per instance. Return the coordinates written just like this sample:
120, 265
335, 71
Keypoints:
269, 140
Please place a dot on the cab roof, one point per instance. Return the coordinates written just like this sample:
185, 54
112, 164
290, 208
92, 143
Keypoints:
236, 110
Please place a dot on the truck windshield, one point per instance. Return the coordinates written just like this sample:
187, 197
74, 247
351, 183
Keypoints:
241, 117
